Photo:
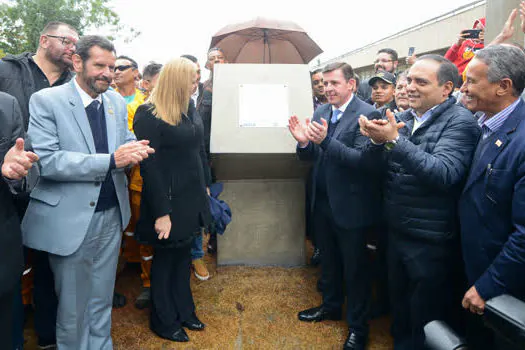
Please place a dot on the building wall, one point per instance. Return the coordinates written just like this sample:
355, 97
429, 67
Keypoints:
433, 36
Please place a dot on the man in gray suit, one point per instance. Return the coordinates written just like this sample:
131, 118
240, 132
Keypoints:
80, 204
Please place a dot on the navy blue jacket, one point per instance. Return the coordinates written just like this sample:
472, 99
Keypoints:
426, 172
354, 197
492, 213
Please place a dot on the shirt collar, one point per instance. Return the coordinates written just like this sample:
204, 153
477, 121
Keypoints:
425, 115
343, 107
494, 123
86, 99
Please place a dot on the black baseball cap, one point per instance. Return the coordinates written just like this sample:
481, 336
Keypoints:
382, 75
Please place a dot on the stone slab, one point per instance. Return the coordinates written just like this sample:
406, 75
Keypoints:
268, 224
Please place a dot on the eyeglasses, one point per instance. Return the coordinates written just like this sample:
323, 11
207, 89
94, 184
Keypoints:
65, 40
382, 61
123, 68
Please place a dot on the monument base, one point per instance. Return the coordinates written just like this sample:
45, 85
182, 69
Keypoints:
268, 225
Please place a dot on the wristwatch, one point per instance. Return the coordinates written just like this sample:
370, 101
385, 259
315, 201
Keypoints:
389, 145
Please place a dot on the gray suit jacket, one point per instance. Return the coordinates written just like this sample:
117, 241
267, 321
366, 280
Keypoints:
71, 172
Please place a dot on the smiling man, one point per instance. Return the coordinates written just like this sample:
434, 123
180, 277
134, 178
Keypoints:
344, 204
80, 203
427, 156
383, 86
492, 206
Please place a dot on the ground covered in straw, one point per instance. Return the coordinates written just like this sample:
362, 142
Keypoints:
243, 308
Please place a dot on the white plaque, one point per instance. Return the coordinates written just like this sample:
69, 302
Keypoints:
263, 105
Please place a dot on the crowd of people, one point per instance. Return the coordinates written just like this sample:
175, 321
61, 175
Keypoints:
103, 164
425, 166
99, 198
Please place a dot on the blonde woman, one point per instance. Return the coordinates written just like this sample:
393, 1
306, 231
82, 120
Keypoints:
174, 205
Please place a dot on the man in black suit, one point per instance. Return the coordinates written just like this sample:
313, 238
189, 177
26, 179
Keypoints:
14, 162
345, 202
197, 93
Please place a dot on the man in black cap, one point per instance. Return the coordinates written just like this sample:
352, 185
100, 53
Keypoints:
383, 87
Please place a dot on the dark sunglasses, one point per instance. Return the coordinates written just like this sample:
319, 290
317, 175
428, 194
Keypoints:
123, 68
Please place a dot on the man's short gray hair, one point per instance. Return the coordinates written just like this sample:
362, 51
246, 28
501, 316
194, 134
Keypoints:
504, 61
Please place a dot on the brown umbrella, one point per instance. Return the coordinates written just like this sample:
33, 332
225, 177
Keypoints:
265, 41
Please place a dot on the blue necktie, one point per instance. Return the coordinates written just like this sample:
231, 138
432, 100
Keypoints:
335, 115
485, 131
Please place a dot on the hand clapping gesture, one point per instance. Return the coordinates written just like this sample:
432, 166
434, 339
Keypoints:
299, 130
132, 153
380, 130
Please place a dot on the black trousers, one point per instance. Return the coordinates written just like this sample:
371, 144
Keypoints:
45, 298
423, 283
171, 299
6, 319
345, 261
44, 295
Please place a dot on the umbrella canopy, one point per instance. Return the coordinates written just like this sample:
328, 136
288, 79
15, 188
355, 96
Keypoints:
265, 41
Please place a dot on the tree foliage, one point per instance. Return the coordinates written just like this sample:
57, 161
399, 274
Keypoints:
21, 21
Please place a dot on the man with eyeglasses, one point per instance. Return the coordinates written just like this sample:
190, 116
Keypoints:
21, 76
386, 60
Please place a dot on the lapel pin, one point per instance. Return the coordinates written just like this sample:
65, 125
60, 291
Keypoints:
498, 143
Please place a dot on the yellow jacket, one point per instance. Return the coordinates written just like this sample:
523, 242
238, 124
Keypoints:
135, 182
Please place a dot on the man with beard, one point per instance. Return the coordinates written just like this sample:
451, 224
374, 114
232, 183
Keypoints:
386, 60
21, 76
80, 204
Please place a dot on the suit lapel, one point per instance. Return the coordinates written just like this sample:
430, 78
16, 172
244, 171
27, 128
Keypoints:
496, 143
79, 113
111, 123
348, 118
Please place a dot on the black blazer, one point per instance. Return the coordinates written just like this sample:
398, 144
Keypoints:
353, 193
175, 177
11, 258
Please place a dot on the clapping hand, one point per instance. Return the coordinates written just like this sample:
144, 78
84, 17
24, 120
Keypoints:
132, 153
380, 130
317, 132
298, 130
17, 162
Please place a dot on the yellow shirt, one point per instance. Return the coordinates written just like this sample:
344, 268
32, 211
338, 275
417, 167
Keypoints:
135, 182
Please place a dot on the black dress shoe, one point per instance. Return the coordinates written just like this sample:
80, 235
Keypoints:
179, 336
318, 314
194, 324
355, 341
315, 260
